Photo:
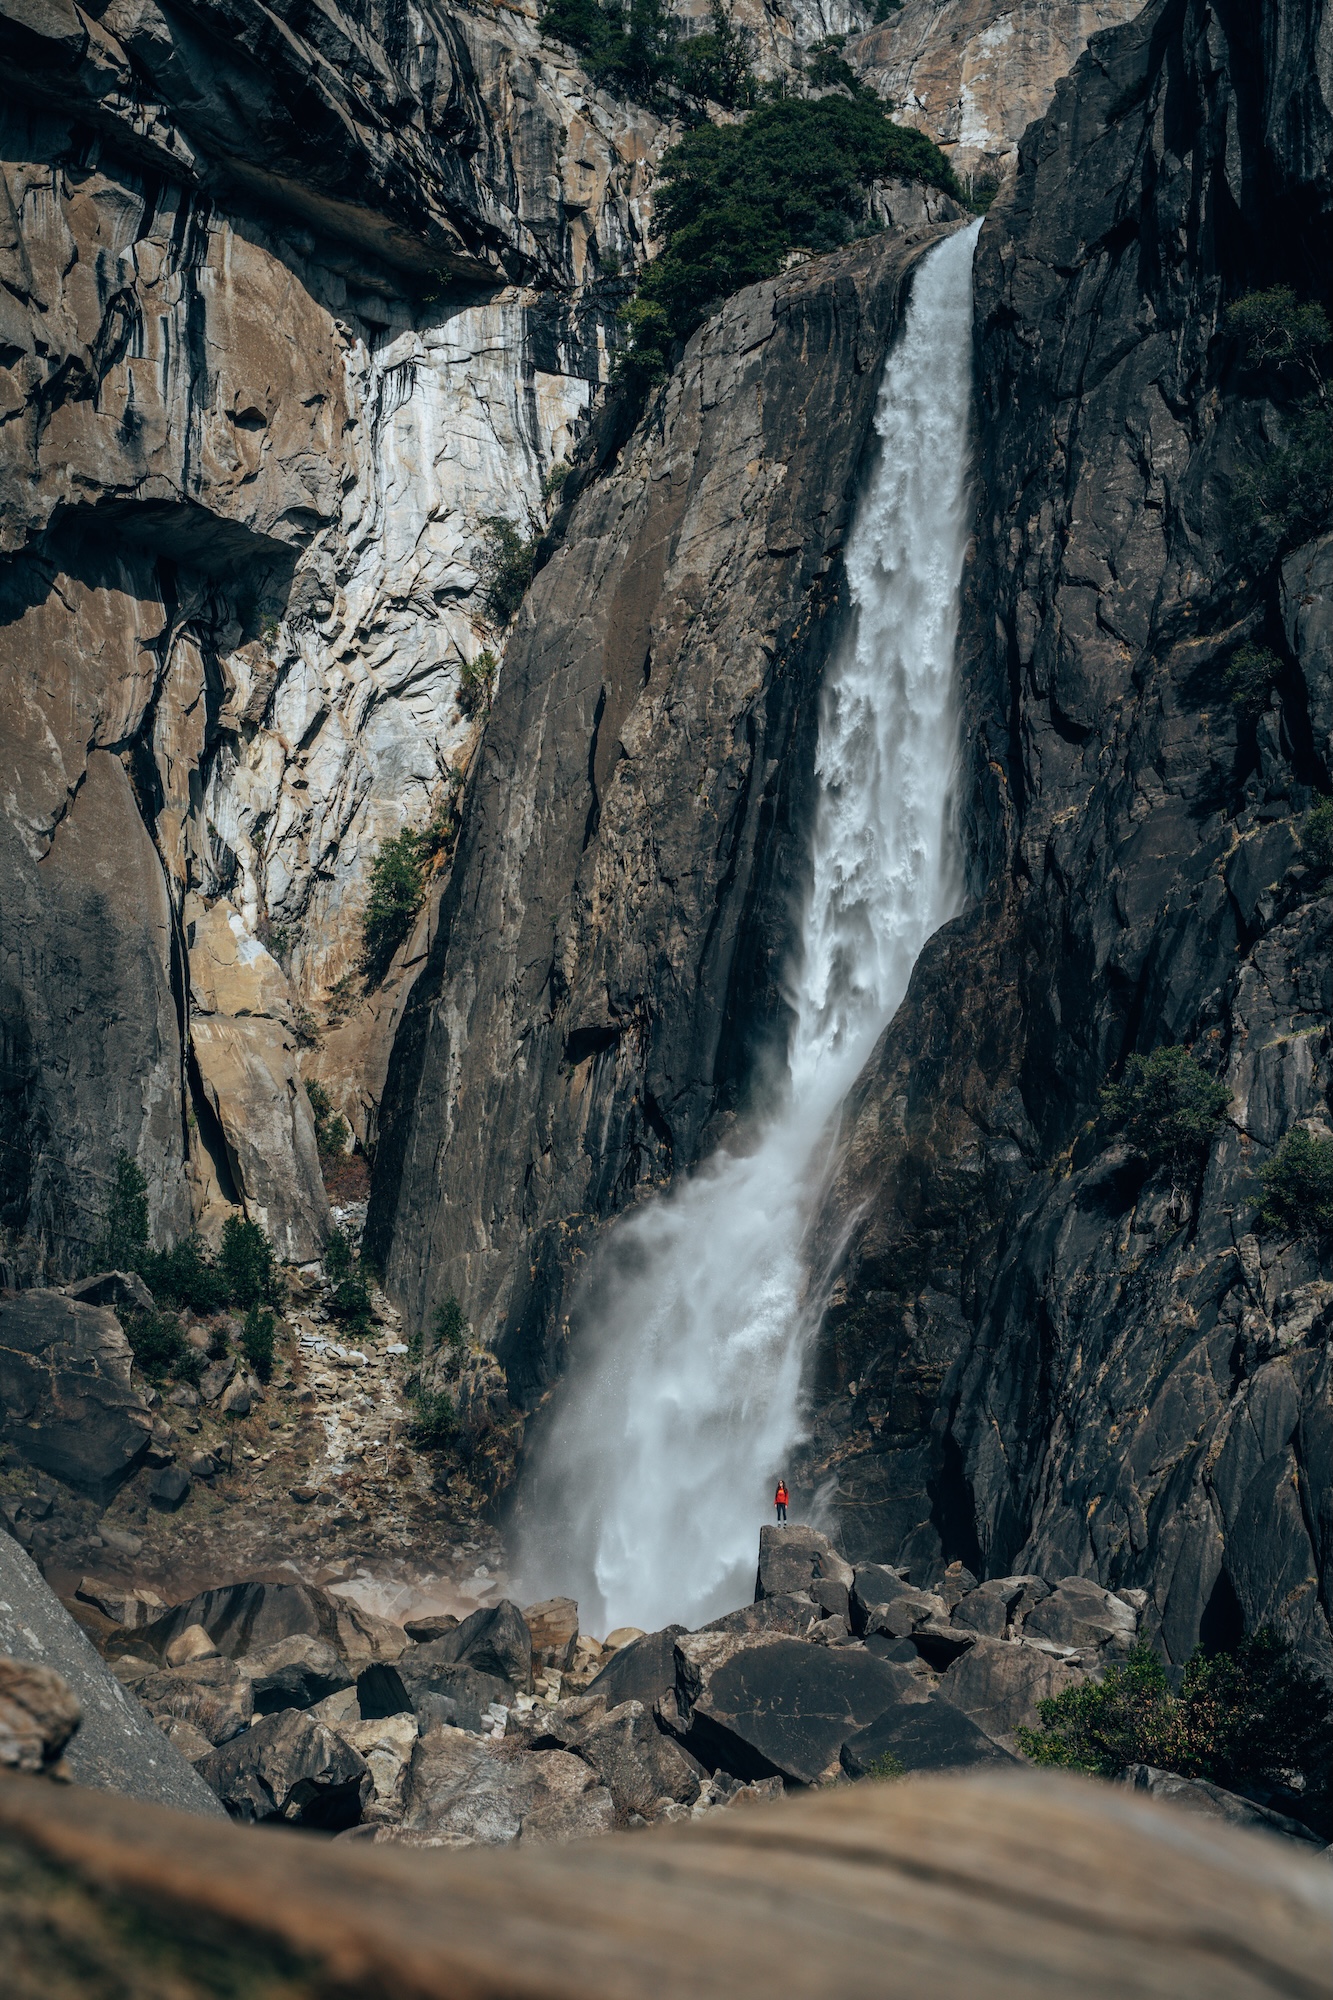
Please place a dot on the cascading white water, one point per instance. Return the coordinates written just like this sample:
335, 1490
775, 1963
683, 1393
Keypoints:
683, 1396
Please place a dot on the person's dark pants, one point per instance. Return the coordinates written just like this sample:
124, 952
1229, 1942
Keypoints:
782, 1509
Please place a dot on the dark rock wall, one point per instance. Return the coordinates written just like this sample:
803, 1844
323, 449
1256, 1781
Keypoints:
606, 973
1040, 1354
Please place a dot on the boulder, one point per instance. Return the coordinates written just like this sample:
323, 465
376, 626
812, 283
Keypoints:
67, 1403
791, 1613
39, 1712
1079, 1614
832, 1598
191, 1644
243, 1617
792, 1558
642, 1671
118, 1748
780, 1708
464, 1791
386, 1744
212, 1697
169, 1489
999, 1682
921, 1736
123, 1289
494, 1641
286, 1767
1197, 1795
872, 1586
236, 1398
554, 1628
294, 1673
910, 1611
434, 1626
989, 1608
638, 1764
429, 1685
215, 1378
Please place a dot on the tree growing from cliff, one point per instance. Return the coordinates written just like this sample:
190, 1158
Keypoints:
1252, 1720
505, 563
124, 1234
1317, 836
1298, 1187
1167, 1106
397, 882
734, 200
1288, 496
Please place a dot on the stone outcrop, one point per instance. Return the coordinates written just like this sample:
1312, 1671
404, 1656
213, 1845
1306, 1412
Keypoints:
973, 74
607, 965
1042, 1355
67, 1401
266, 370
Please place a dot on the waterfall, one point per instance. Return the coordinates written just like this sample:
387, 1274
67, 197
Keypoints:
656, 1465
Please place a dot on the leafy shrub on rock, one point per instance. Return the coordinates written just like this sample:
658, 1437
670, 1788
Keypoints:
1250, 1720
247, 1264
397, 882
257, 1341
349, 1297
506, 564
1298, 1186
1316, 835
1287, 497
1167, 1106
159, 1346
732, 200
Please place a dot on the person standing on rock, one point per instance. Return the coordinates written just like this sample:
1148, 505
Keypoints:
780, 1501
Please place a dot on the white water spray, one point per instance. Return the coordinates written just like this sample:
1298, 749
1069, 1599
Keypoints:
683, 1396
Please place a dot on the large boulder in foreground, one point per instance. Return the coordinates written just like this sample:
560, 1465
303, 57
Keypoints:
779, 1707
118, 1747
66, 1399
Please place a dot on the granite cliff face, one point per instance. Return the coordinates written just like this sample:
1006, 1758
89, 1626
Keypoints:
607, 966
289, 307
1040, 1351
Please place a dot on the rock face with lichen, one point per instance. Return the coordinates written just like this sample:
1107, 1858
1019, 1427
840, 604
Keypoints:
1043, 1350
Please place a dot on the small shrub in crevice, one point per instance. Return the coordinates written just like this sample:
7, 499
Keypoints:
505, 565
433, 1425
331, 1128
885, 1766
1286, 497
257, 1341
397, 883
451, 1328
1167, 1106
1249, 678
1316, 835
476, 682
349, 1292
1298, 1187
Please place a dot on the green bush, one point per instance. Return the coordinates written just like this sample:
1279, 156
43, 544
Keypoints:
1298, 1187
331, 1129
476, 681
349, 1292
1167, 1106
1249, 678
1317, 835
629, 49
886, 1766
1288, 496
826, 68
247, 1264
257, 1341
434, 1423
450, 1326
715, 66
732, 200
1249, 1719
159, 1346
397, 883
505, 565
185, 1277
124, 1237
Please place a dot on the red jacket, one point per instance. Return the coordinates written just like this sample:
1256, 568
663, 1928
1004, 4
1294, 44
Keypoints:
780, 1497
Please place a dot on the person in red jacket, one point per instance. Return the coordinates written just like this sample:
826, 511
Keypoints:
780, 1499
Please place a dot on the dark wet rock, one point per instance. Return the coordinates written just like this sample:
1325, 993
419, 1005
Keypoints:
873, 1585
295, 1672
246, 1617
125, 1290
793, 1613
118, 1748
288, 1767
792, 1559
999, 1603
436, 1626
641, 1671
780, 1708
921, 1736
435, 1686
1078, 1613
67, 1403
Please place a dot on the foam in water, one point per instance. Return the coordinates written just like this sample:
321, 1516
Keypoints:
682, 1401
